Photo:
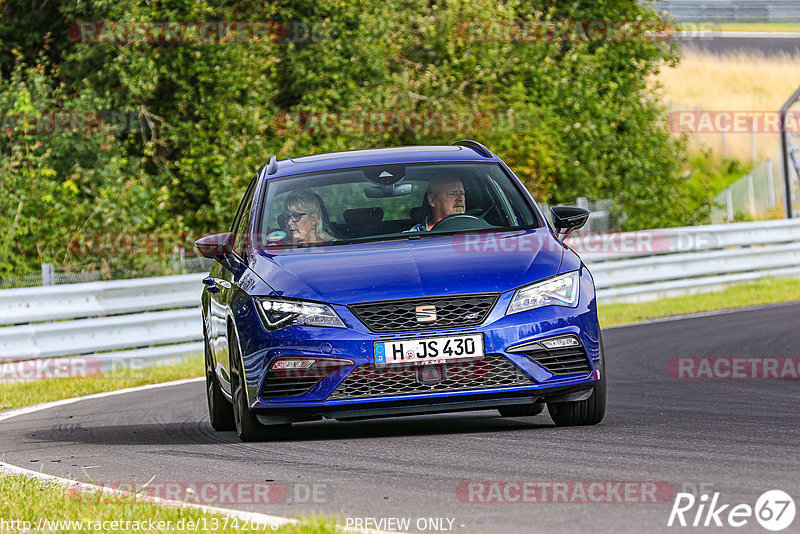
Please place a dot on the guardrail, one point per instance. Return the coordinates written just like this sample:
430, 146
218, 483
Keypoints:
125, 324
154, 320
651, 264
731, 10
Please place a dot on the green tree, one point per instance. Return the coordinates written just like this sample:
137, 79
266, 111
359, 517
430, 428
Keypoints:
573, 117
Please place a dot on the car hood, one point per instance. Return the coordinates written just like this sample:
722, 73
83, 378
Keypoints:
448, 265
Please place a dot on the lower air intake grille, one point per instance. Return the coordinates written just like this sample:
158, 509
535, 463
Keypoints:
294, 382
561, 361
275, 387
369, 380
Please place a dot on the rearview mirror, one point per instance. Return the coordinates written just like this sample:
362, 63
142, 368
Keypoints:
386, 191
567, 219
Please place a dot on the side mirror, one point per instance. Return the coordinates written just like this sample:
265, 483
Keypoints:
567, 219
217, 247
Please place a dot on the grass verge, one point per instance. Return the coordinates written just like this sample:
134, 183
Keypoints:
16, 394
30, 502
738, 81
765, 291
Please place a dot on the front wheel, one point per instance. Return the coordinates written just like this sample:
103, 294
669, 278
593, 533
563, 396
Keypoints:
219, 409
248, 428
586, 412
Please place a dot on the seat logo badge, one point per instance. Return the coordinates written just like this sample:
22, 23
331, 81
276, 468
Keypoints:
426, 314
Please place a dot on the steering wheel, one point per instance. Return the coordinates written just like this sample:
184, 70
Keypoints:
460, 221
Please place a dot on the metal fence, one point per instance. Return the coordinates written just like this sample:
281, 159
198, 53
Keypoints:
50, 275
653, 264
604, 215
731, 10
155, 320
756, 196
123, 323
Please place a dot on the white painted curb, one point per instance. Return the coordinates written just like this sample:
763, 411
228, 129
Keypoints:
271, 521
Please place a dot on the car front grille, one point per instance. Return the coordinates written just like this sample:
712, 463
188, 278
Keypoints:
369, 380
562, 361
401, 315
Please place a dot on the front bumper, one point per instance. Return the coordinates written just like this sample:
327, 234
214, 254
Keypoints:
356, 343
417, 406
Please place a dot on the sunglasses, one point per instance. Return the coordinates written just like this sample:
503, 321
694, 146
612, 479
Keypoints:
294, 216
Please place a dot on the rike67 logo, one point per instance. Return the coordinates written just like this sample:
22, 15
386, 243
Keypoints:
774, 510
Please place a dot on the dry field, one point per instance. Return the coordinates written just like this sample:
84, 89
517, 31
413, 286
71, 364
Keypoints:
737, 82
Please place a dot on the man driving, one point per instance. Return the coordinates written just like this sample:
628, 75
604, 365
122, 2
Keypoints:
445, 196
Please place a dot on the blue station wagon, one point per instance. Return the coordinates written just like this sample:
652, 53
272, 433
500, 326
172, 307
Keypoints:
397, 281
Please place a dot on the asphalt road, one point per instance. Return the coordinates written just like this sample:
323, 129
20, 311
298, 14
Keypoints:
766, 44
736, 437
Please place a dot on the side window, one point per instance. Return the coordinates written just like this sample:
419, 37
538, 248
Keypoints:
241, 224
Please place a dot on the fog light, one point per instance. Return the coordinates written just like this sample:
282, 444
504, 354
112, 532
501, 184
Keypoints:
561, 342
292, 363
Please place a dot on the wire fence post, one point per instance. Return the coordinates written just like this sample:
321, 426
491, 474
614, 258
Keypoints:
697, 130
583, 202
729, 202
175, 261
771, 185
48, 274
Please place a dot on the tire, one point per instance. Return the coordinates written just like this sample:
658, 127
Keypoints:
248, 428
220, 411
586, 412
522, 410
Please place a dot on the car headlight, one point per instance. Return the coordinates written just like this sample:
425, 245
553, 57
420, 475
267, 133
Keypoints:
280, 313
561, 290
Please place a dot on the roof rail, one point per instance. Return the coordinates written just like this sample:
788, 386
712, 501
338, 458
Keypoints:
476, 146
272, 166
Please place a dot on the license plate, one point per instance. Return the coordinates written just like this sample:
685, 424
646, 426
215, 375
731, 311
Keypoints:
429, 350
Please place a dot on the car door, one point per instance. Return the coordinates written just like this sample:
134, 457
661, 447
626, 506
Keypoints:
225, 278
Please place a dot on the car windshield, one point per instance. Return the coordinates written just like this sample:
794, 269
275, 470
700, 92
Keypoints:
382, 202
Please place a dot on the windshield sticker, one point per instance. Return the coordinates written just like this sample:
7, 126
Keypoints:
278, 235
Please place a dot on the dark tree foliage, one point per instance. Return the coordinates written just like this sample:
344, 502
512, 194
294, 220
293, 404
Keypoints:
191, 122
